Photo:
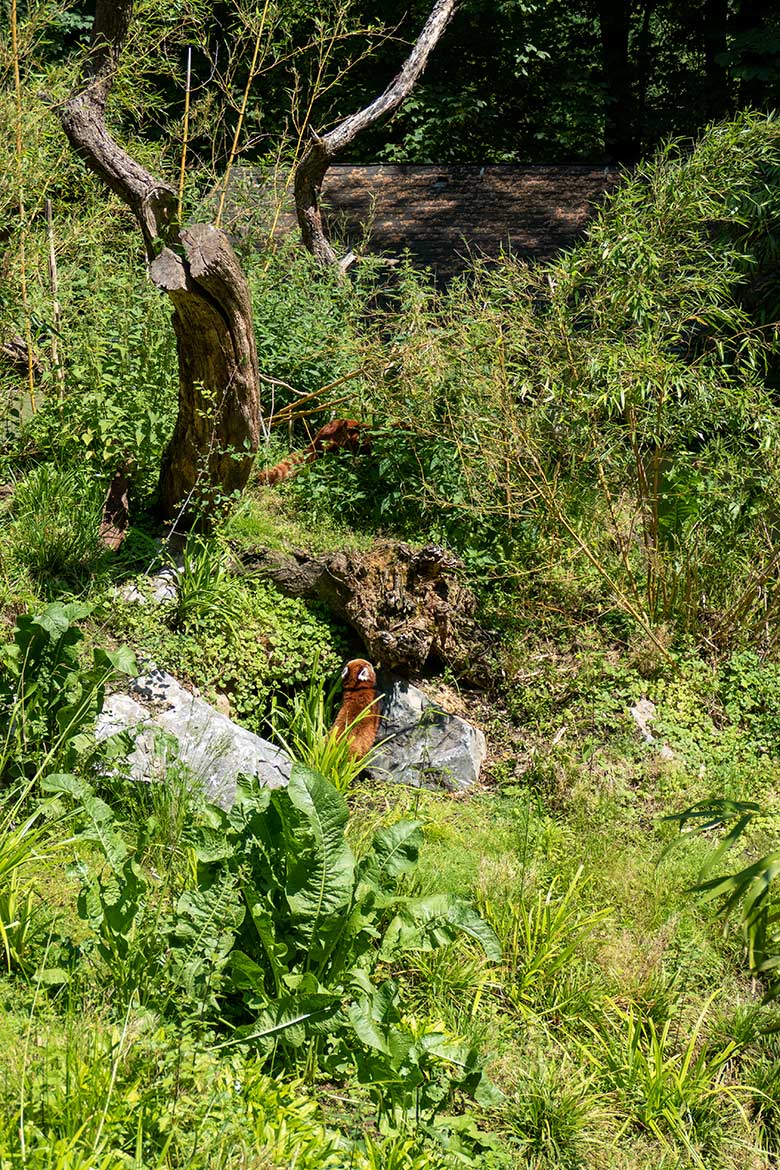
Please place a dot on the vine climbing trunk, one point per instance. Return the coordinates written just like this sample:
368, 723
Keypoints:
322, 150
217, 429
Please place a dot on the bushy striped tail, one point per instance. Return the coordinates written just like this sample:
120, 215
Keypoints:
335, 435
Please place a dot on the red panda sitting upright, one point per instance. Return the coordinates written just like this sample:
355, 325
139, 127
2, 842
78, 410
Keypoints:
359, 692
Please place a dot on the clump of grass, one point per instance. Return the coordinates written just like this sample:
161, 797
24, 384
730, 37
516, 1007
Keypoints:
203, 590
56, 520
555, 1118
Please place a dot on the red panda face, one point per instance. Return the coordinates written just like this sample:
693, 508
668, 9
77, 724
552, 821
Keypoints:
358, 673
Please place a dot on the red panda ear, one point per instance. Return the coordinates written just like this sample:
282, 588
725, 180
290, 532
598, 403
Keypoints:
365, 674
345, 672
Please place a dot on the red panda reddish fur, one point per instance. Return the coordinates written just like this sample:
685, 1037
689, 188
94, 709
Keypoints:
341, 432
359, 692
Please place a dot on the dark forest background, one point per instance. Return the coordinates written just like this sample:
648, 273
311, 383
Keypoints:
511, 81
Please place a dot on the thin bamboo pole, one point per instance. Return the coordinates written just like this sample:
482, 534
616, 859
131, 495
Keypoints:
185, 132
240, 123
56, 311
22, 217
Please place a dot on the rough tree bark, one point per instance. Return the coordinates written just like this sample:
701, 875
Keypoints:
322, 150
218, 426
409, 607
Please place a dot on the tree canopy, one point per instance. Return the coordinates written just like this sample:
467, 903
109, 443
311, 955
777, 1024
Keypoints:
511, 81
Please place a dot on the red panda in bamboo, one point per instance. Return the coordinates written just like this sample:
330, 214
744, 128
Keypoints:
341, 432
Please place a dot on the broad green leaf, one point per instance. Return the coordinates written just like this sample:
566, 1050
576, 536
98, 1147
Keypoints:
204, 913
424, 924
292, 1018
320, 863
266, 923
212, 844
66, 782
247, 975
395, 851
119, 661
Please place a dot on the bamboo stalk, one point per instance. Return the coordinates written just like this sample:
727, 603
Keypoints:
242, 113
56, 311
22, 218
185, 132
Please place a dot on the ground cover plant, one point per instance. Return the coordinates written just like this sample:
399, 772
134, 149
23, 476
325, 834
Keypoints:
545, 973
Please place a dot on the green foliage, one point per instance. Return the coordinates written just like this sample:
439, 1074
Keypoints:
553, 1120
750, 693
282, 930
751, 892
249, 642
668, 1083
120, 400
21, 837
541, 935
304, 731
54, 531
203, 596
48, 699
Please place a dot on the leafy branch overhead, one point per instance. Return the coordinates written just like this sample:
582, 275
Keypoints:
322, 150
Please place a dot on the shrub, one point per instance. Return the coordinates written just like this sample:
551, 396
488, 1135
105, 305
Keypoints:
248, 641
282, 933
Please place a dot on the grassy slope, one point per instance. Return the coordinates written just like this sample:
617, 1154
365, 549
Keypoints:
621, 1024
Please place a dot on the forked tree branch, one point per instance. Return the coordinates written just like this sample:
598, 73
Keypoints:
210, 454
322, 150
82, 117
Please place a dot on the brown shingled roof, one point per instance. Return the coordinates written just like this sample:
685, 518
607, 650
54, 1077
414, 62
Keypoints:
445, 214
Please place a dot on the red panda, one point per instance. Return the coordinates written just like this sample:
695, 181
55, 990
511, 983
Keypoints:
341, 432
359, 692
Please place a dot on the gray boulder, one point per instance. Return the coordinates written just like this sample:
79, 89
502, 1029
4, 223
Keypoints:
168, 724
424, 747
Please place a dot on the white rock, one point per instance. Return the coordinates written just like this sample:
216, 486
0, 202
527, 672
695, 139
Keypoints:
169, 723
643, 714
161, 587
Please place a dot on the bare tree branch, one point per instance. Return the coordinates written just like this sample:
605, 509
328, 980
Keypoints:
322, 150
82, 117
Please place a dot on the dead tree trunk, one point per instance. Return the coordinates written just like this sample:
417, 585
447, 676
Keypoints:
322, 150
218, 426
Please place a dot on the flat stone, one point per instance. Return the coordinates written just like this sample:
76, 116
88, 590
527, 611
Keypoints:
159, 588
170, 724
424, 745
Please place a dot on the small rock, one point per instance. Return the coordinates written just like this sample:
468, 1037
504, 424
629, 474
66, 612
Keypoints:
425, 747
159, 588
643, 714
169, 723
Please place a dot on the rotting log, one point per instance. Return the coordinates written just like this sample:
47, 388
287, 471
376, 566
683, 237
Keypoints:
408, 606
